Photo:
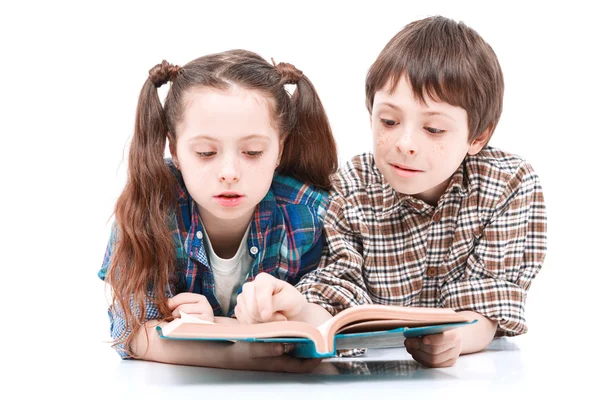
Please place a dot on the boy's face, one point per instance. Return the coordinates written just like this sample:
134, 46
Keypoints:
417, 147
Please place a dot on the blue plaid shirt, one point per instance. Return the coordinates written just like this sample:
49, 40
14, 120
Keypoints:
284, 240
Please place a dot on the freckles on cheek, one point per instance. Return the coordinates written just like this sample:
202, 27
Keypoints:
381, 139
440, 149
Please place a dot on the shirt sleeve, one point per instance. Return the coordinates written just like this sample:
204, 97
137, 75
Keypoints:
506, 258
118, 329
337, 283
108, 252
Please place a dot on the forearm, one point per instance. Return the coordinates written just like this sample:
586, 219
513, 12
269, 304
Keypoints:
476, 337
147, 345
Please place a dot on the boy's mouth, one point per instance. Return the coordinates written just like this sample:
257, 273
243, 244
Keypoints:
405, 168
404, 171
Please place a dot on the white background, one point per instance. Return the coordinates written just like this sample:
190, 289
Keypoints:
71, 76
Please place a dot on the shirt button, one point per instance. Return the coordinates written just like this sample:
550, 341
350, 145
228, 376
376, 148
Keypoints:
437, 216
431, 272
418, 206
254, 250
199, 235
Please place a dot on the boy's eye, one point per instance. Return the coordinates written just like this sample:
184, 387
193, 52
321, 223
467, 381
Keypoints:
388, 122
205, 154
254, 153
433, 130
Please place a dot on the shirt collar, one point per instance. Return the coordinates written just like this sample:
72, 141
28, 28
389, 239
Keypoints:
258, 225
261, 219
392, 199
459, 182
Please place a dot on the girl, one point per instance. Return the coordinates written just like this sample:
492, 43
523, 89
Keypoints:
244, 192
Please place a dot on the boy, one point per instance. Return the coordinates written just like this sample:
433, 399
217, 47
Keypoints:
433, 217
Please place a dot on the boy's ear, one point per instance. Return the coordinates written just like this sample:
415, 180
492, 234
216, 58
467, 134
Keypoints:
479, 143
173, 151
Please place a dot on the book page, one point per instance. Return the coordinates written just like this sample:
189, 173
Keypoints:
380, 325
192, 328
194, 320
185, 319
391, 338
368, 317
380, 340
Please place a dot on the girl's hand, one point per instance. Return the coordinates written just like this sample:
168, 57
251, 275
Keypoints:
193, 304
266, 357
268, 299
436, 351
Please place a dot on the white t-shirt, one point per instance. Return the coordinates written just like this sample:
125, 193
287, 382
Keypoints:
229, 274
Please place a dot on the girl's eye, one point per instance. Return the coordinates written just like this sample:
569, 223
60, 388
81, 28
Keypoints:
254, 153
388, 122
205, 154
433, 130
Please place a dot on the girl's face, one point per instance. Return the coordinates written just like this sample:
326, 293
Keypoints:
227, 150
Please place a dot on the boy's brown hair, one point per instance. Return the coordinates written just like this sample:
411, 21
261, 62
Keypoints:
447, 61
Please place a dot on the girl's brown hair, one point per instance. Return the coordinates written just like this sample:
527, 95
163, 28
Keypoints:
447, 61
143, 266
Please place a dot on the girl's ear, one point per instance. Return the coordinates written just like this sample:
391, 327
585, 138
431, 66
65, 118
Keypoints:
173, 151
281, 144
479, 143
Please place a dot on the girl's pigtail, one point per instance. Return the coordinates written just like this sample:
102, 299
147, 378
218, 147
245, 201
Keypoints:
144, 258
309, 152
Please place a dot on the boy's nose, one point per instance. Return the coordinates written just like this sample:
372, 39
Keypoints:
406, 143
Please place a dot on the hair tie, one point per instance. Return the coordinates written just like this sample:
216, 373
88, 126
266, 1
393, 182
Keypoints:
163, 73
289, 73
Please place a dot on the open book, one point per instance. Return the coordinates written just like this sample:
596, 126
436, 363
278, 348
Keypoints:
364, 326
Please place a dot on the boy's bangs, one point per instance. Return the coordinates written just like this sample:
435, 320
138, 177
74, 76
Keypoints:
430, 78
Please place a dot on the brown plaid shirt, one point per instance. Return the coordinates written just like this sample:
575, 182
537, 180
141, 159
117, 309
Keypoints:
479, 249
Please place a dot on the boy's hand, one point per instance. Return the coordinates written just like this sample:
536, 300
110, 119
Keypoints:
268, 299
193, 304
436, 351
